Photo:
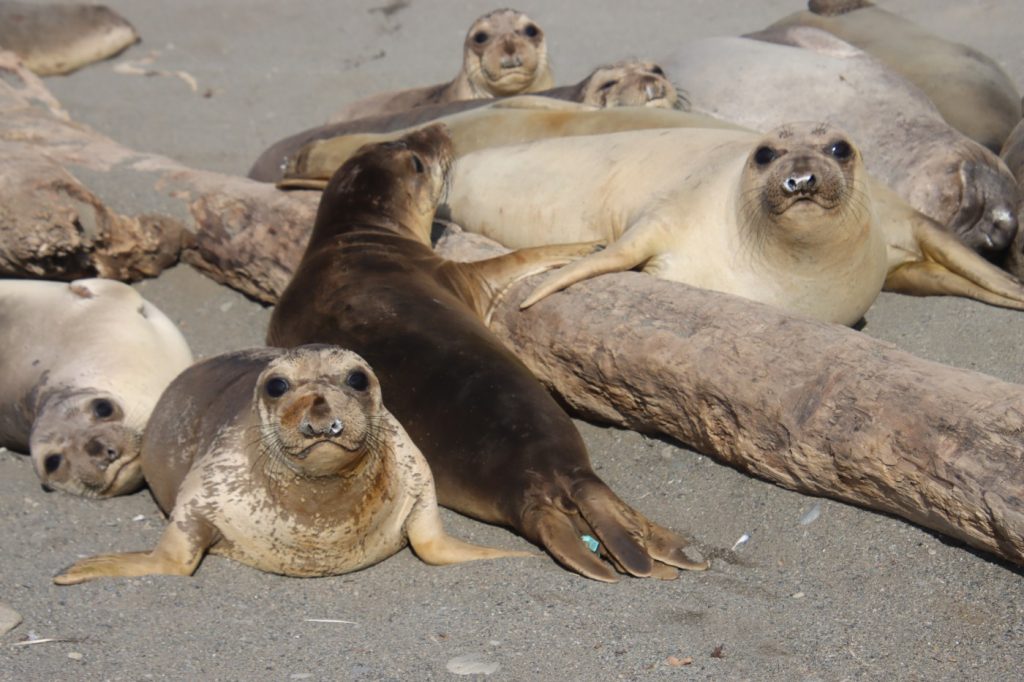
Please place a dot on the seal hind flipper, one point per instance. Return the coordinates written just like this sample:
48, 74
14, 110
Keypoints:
632, 249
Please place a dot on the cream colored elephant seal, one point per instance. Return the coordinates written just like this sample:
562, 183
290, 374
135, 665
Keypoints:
83, 365
285, 460
504, 54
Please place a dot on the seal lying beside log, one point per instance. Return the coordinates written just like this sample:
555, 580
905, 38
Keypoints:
287, 461
789, 218
631, 82
500, 448
83, 365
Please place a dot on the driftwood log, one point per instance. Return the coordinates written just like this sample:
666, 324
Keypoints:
814, 407
60, 184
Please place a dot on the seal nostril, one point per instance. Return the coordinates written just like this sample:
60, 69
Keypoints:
52, 463
336, 427
111, 454
306, 429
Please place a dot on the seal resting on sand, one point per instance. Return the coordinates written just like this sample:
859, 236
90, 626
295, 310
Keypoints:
500, 448
83, 364
287, 461
504, 54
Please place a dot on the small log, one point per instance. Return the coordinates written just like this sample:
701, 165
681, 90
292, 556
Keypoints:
811, 406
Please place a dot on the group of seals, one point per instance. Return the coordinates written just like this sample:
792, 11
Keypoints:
55, 39
905, 141
691, 203
973, 93
83, 364
504, 54
500, 448
287, 461
631, 82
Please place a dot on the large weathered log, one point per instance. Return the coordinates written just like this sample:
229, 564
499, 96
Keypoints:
61, 182
814, 407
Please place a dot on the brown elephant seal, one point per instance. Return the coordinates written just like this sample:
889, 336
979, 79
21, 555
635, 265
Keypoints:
56, 39
973, 93
504, 54
286, 461
661, 180
84, 363
904, 139
1012, 155
627, 83
500, 448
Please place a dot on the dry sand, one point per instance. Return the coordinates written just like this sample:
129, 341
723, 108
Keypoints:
850, 595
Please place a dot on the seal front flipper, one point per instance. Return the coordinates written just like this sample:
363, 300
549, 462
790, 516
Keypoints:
434, 546
494, 276
177, 553
634, 248
932, 261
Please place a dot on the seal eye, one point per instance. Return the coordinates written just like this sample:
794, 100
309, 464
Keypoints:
102, 408
530, 31
276, 387
417, 164
657, 71
607, 86
480, 37
841, 150
357, 380
52, 463
764, 155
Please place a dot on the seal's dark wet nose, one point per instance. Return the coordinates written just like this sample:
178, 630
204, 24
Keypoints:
799, 183
1000, 229
653, 88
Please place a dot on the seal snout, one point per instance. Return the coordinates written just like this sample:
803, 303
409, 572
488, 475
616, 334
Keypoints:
319, 421
799, 183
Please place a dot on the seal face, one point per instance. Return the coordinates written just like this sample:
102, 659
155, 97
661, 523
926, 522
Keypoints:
504, 53
85, 363
629, 83
500, 448
286, 461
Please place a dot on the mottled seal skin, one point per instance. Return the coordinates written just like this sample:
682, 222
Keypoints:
55, 39
627, 83
286, 461
84, 364
973, 93
500, 448
504, 53
904, 139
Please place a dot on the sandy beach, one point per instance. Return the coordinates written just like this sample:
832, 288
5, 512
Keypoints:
820, 591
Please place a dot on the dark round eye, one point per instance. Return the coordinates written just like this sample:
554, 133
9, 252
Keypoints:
417, 163
841, 150
531, 31
480, 37
764, 155
608, 85
357, 380
102, 408
52, 463
276, 387
657, 71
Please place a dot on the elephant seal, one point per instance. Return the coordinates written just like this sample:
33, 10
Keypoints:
58, 39
285, 460
631, 82
972, 92
84, 364
504, 54
904, 139
659, 178
1013, 155
500, 448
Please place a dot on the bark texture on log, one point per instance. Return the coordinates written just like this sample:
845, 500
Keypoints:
814, 407
61, 182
